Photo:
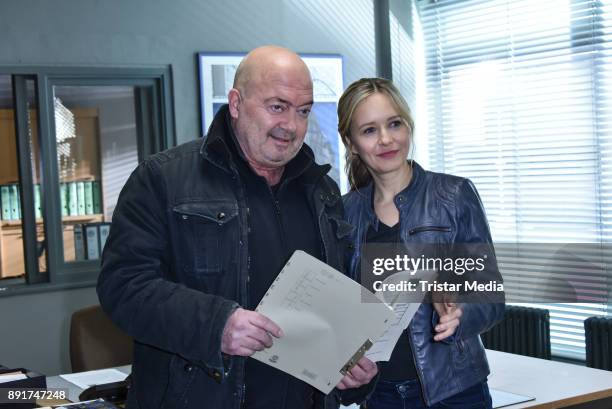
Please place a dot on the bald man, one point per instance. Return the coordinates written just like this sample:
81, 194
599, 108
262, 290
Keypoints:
200, 232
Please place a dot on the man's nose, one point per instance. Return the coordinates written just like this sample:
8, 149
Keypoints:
290, 122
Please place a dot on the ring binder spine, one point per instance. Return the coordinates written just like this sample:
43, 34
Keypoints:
272, 286
356, 357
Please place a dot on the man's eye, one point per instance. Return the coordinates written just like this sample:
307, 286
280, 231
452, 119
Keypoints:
304, 112
277, 108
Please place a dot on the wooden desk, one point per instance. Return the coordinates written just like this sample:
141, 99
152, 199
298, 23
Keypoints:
553, 384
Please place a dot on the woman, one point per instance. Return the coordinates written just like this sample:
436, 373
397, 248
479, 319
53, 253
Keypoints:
439, 360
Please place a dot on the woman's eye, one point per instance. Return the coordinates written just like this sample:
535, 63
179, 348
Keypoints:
369, 130
395, 124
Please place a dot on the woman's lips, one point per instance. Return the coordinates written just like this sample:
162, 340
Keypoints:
388, 154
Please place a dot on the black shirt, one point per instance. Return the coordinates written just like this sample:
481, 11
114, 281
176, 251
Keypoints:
280, 222
400, 366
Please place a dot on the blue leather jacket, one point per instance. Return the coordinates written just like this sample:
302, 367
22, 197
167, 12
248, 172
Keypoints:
437, 208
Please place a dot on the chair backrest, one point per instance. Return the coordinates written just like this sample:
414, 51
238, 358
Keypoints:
523, 331
96, 342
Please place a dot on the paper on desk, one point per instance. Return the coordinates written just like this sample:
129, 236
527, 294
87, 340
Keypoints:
404, 311
12, 376
326, 318
502, 398
98, 377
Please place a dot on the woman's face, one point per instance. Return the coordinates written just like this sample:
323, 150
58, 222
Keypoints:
379, 135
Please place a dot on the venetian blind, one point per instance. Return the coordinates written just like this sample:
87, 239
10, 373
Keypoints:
520, 101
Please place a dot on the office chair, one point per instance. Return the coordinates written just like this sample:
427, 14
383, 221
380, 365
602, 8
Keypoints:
96, 342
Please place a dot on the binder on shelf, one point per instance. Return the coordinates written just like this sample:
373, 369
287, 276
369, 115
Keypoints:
72, 199
79, 242
96, 196
104, 230
80, 190
64, 199
92, 241
37, 205
14, 200
5, 202
18, 202
88, 197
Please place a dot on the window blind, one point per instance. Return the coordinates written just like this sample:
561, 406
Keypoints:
520, 101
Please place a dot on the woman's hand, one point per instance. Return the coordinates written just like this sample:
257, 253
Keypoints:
450, 315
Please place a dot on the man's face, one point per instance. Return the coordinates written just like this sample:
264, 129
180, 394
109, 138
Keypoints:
272, 119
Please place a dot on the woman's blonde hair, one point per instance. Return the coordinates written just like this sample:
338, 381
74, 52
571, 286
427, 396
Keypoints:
357, 172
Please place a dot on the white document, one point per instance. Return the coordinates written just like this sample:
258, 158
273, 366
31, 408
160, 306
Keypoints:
404, 311
12, 376
502, 398
327, 318
90, 378
383, 347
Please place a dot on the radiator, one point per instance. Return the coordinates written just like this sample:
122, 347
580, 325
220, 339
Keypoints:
523, 331
598, 337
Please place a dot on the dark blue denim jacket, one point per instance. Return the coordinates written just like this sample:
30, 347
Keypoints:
438, 209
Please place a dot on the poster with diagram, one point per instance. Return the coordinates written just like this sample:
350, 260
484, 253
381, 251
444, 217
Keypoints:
216, 72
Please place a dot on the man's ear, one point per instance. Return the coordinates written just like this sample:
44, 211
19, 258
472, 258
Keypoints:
233, 98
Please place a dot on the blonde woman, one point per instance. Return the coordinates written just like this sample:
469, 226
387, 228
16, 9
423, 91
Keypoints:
439, 360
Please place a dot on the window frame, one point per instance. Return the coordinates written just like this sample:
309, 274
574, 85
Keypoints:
152, 85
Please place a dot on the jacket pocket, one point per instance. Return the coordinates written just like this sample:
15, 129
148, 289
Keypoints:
422, 229
207, 226
341, 227
181, 375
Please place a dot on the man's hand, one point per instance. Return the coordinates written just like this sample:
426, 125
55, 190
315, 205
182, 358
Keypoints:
450, 316
248, 331
360, 374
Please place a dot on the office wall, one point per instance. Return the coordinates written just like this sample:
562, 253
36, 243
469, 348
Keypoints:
144, 32
153, 32
35, 328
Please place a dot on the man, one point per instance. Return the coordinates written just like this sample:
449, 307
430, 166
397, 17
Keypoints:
199, 234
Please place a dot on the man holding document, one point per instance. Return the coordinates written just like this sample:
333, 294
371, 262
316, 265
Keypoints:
199, 234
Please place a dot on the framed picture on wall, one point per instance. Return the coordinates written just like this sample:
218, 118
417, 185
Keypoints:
216, 72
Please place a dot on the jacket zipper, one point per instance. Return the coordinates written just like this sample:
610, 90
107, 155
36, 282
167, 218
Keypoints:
421, 229
278, 212
241, 189
416, 365
243, 399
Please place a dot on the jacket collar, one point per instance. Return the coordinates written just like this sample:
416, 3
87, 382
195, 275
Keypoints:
402, 199
214, 147
220, 147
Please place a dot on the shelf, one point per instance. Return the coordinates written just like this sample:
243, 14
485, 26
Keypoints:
65, 219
